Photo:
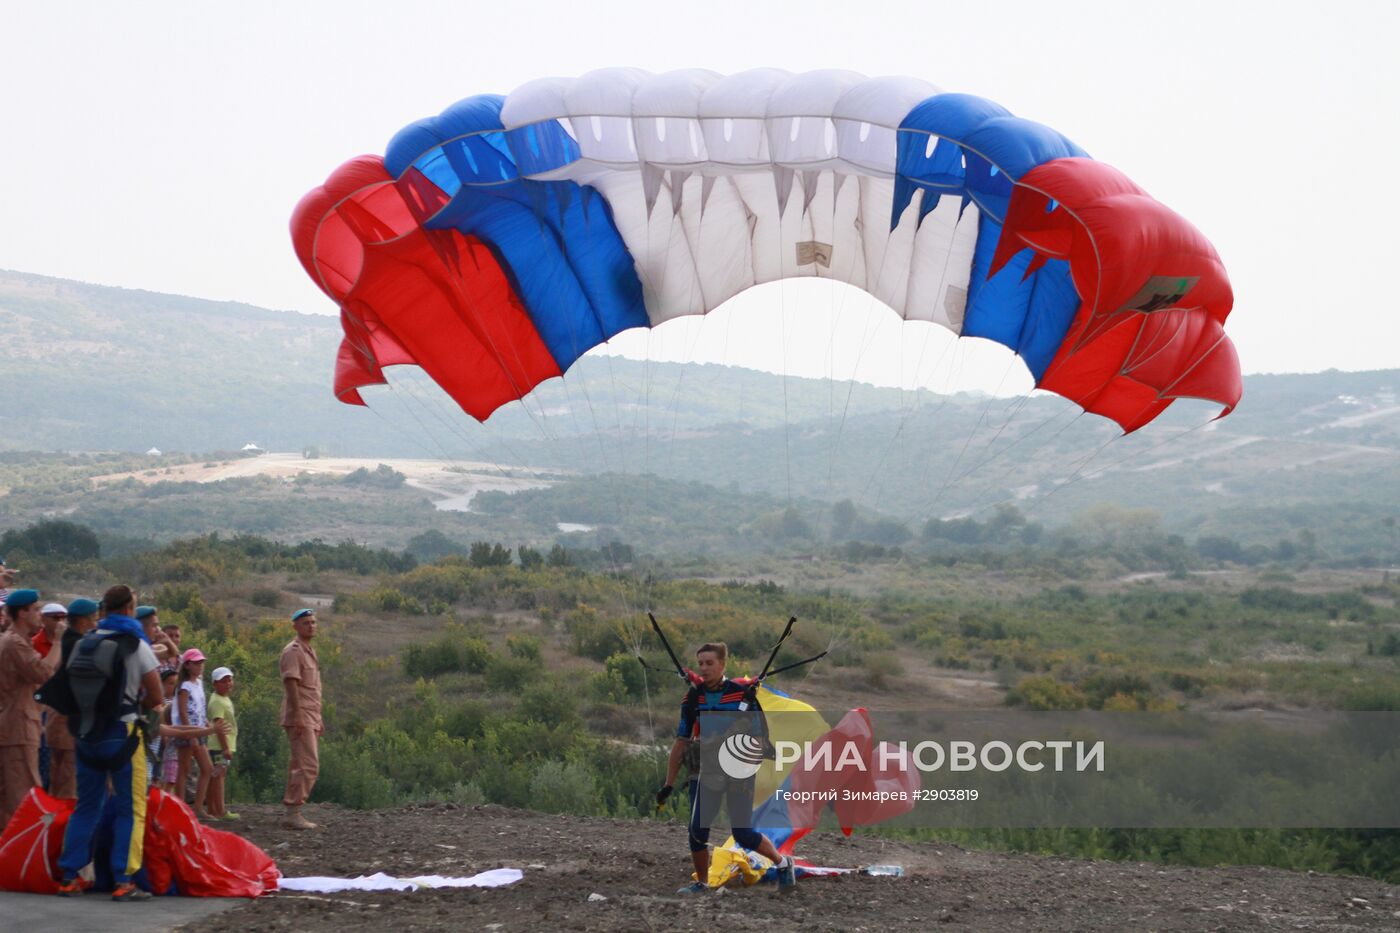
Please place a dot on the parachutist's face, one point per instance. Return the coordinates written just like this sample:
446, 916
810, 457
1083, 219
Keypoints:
710, 667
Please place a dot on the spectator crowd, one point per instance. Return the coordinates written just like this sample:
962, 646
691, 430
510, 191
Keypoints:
100, 701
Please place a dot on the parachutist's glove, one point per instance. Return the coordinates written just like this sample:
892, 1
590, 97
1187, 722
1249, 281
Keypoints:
663, 795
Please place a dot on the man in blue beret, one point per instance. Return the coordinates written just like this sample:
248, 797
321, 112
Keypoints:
22, 671
167, 652
300, 670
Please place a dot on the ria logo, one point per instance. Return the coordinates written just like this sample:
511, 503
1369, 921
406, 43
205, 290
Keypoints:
741, 756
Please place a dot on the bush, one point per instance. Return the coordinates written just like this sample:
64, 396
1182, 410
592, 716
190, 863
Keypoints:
622, 679
463, 794
451, 652
53, 539
564, 788
468, 720
593, 636
549, 704
530, 559
881, 670
352, 778
525, 647
486, 554
509, 674
1046, 693
265, 596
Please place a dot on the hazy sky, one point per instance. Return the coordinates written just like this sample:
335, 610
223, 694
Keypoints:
163, 145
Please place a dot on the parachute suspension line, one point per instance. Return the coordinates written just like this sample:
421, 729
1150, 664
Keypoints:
1099, 471
435, 408
787, 423
918, 371
651, 719
1013, 411
976, 427
952, 374
691, 290
904, 419
996, 483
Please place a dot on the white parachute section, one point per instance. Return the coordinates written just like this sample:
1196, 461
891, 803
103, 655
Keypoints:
719, 183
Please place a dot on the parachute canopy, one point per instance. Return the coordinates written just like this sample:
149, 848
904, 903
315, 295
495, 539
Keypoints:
494, 244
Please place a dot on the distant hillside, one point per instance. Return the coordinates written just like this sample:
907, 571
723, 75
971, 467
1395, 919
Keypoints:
89, 367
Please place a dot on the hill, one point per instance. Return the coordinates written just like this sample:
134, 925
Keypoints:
86, 367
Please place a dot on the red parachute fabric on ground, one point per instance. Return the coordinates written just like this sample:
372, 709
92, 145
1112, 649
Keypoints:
32, 842
433, 298
1154, 294
199, 862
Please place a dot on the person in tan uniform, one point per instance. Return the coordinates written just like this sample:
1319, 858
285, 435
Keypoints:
63, 773
22, 671
301, 716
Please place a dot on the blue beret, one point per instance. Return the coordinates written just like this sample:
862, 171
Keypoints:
82, 607
143, 611
303, 612
21, 598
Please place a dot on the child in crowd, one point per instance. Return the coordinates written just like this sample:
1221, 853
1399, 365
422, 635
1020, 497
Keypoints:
190, 710
221, 749
169, 747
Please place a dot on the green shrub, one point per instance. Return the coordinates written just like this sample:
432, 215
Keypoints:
564, 788
450, 652
509, 674
1046, 693
881, 670
525, 647
351, 778
550, 704
265, 596
592, 635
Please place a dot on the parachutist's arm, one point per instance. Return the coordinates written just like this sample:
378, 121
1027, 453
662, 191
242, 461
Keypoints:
151, 694
673, 766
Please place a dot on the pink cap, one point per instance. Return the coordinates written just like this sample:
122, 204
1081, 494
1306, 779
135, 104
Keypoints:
193, 654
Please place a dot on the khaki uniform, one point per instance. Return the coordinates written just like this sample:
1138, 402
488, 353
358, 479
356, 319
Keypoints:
63, 772
22, 671
299, 664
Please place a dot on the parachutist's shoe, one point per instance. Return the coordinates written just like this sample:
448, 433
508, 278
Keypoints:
787, 875
695, 887
129, 892
294, 820
74, 887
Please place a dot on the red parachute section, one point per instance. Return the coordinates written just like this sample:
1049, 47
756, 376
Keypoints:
883, 787
432, 298
1154, 294
180, 854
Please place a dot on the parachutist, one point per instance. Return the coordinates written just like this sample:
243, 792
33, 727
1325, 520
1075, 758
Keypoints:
724, 775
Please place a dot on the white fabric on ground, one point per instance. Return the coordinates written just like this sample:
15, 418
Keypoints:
379, 881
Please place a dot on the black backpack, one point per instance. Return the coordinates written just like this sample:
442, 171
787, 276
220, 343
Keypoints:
94, 695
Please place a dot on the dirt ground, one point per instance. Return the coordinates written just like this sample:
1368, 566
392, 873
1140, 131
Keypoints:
638, 865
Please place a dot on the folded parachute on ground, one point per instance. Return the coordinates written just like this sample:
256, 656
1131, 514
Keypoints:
181, 856
495, 243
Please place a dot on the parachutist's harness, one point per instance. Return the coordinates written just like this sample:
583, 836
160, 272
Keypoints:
735, 695
751, 684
